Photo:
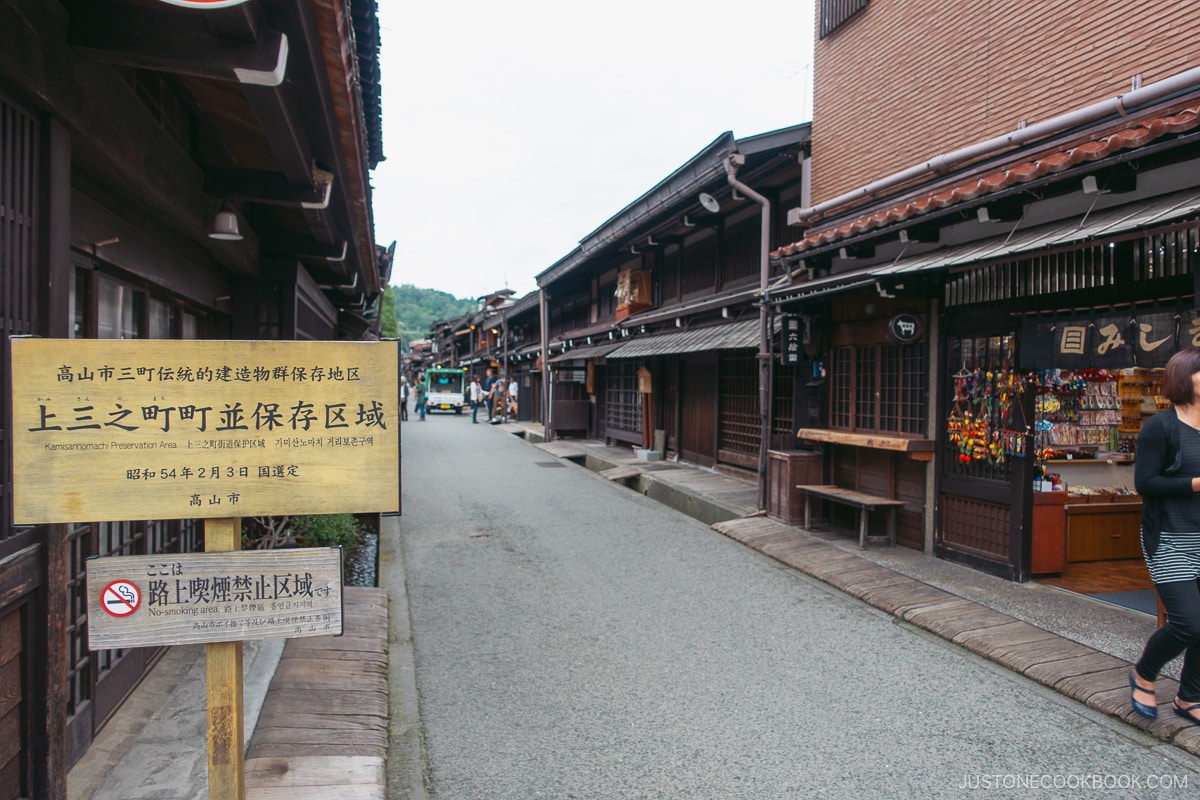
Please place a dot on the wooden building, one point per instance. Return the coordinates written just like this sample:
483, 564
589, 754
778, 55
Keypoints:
165, 172
652, 326
520, 353
1025, 198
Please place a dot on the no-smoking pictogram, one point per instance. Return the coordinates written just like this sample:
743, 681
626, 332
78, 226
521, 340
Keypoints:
120, 598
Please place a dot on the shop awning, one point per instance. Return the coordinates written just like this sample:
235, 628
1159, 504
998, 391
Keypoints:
587, 351
1097, 225
720, 337
528, 350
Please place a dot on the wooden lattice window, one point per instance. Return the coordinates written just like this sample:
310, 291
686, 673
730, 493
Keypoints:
783, 401
623, 404
740, 429
18, 263
836, 12
80, 687
841, 394
880, 388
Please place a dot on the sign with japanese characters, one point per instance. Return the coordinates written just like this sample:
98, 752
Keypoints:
792, 343
193, 598
169, 429
1108, 340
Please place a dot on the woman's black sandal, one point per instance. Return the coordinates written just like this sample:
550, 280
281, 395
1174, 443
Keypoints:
1143, 709
1190, 713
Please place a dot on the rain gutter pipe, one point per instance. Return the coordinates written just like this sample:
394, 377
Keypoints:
544, 313
732, 162
941, 164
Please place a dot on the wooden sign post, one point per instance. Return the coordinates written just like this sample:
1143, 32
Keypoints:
212, 430
226, 732
646, 389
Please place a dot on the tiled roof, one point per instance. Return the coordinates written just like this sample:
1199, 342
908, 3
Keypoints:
1137, 134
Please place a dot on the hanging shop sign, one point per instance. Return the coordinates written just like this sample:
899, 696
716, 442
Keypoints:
792, 346
905, 328
645, 381
171, 429
1107, 340
193, 598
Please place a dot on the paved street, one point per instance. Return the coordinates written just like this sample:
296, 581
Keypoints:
574, 639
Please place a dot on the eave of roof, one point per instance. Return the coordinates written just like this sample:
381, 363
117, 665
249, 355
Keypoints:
700, 170
1118, 221
686, 309
729, 336
1131, 136
670, 195
526, 303
336, 28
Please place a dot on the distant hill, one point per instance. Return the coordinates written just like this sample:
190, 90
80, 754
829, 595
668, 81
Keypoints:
417, 308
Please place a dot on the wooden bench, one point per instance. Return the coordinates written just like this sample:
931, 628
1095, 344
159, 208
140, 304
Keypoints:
862, 501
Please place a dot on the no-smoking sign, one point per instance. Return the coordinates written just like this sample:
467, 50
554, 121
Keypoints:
120, 598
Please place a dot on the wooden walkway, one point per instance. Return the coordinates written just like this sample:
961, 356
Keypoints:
322, 731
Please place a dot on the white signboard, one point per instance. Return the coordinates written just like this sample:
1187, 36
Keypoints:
142, 601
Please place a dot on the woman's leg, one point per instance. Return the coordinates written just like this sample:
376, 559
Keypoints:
1180, 634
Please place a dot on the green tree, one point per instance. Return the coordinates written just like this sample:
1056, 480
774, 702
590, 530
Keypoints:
416, 309
388, 325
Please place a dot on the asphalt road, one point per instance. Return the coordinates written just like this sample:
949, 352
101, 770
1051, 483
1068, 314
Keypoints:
574, 639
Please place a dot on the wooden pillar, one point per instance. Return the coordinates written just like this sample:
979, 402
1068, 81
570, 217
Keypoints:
226, 734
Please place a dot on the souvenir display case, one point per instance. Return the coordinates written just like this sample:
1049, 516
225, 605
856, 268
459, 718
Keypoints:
1086, 426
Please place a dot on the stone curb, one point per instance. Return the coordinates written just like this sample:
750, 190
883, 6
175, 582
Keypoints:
1096, 679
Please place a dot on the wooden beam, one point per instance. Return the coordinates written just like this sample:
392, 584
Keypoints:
870, 440
303, 247
162, 39
284, 129
271, 188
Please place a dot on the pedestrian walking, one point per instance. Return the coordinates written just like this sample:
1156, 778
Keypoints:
489, 392
511, 410
496, 401
1167, 476
403, 399
419, 395
475, 396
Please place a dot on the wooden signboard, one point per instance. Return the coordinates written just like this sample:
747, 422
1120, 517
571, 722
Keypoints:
168, 599
645, 381
171, 429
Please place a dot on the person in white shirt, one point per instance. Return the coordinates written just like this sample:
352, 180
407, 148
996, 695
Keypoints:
475, 396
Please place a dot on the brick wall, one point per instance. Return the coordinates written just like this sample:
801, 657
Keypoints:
906, 80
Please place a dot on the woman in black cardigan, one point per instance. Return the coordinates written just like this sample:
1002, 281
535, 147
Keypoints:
1167, 476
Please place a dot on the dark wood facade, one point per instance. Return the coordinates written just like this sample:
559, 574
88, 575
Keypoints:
125, 127
668, 296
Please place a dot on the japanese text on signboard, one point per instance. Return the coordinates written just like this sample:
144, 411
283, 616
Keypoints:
252, 428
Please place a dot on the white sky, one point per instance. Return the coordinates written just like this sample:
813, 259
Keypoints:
514, 129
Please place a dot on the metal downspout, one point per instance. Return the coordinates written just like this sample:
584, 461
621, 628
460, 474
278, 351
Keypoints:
732, 163
543, 311
507, 366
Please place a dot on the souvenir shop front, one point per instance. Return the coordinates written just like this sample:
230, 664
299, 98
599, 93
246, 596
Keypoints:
1042, 415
